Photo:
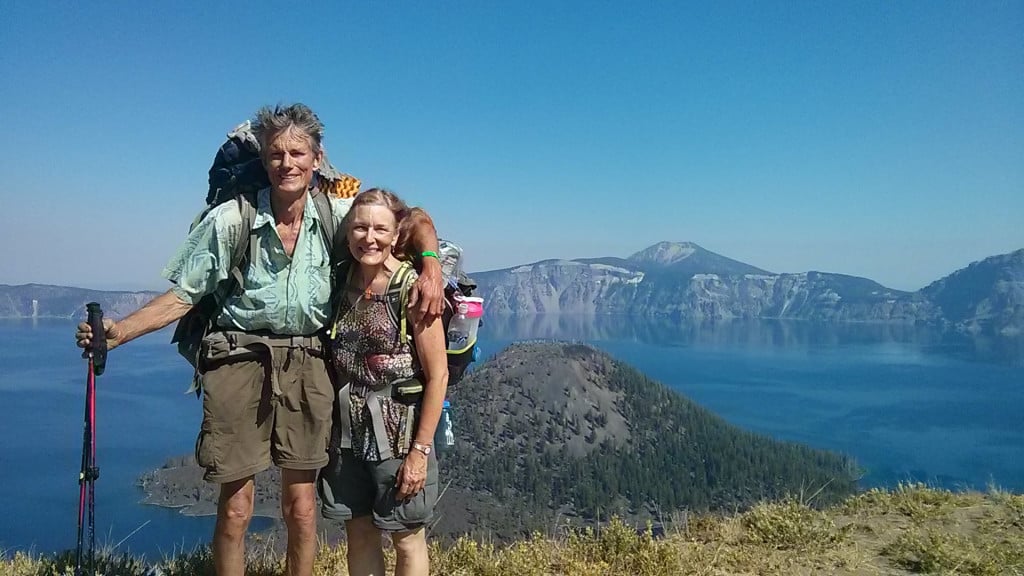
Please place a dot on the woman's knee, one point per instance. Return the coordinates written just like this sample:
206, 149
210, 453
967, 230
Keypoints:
410, 542
362, 532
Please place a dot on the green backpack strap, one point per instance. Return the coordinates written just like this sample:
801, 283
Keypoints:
397, 297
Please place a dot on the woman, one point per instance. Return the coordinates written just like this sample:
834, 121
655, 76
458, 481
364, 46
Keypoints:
383, 471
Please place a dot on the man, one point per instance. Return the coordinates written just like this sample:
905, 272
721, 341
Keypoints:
266, 393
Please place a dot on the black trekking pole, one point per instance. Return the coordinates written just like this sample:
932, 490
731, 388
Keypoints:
96, 352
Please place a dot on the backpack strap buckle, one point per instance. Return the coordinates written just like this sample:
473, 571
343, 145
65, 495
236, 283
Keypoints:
344, 414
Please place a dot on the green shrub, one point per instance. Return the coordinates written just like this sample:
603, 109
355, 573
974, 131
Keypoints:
789, 525
935, 552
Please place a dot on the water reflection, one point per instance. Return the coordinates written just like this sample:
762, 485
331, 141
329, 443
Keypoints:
754, 333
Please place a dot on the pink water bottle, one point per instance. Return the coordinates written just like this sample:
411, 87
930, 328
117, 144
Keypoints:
464, 324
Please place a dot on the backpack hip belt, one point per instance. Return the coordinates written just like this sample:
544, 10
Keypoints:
226, 345
380, 434
243, 339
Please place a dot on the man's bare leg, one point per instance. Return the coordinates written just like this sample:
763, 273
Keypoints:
234, 510
298, 507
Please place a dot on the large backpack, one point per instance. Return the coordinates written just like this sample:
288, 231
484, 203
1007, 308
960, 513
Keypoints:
237, 174
457, 286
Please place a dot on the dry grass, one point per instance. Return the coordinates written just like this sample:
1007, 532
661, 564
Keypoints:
911, 529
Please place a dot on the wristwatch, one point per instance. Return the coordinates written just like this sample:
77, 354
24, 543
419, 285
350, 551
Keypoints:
425, 448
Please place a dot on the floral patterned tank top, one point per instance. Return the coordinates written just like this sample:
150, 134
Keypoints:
368, 355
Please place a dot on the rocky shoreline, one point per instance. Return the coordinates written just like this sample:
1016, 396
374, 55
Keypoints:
179, 484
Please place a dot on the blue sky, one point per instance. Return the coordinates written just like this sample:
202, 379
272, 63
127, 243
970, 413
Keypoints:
883, 139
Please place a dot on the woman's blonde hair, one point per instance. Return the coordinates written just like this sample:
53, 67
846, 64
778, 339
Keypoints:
382, 197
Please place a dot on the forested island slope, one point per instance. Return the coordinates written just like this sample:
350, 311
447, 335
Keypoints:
546, 429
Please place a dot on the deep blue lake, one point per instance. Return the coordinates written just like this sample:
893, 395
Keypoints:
908, 403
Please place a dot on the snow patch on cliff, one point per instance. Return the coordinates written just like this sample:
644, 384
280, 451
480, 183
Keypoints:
610, 268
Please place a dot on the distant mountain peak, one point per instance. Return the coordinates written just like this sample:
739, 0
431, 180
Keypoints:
666, 253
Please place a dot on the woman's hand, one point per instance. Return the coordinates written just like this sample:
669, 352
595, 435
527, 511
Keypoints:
412, 475
83, 336
428, 290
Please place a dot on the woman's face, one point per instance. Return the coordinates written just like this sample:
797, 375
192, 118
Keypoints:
290, 162
372, 234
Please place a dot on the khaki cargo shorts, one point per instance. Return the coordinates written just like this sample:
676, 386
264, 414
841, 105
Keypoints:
273, 405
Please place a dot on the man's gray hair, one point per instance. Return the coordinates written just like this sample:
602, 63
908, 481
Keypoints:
270, 122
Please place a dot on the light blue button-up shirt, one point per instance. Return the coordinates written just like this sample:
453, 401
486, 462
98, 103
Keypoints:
288, 296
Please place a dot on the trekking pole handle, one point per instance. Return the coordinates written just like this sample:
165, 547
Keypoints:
98, 344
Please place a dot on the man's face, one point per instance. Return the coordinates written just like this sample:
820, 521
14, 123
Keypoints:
290, 162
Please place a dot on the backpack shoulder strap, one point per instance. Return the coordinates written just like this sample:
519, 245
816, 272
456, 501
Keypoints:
397, 297
326, 215
340, 278
245, 247
334, 241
